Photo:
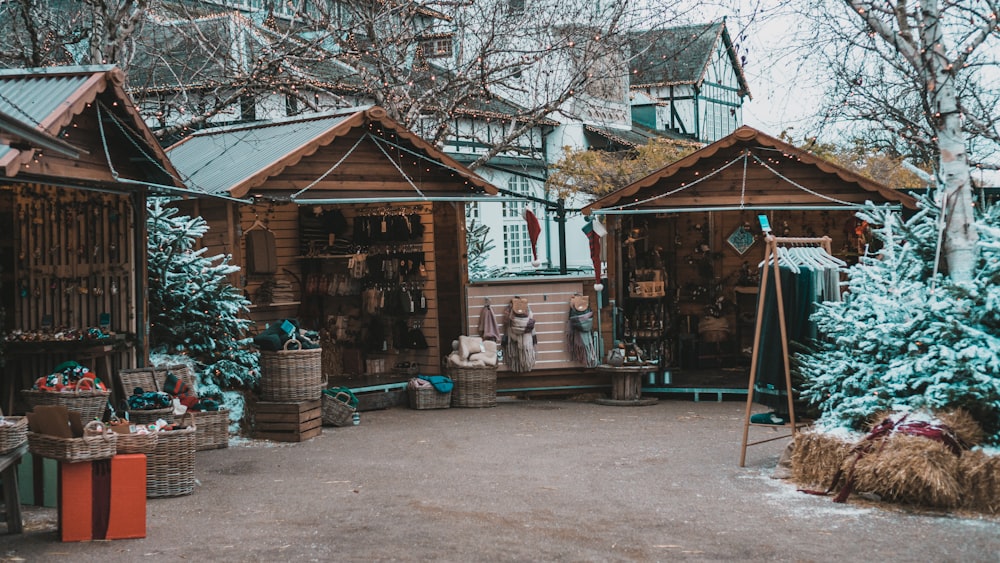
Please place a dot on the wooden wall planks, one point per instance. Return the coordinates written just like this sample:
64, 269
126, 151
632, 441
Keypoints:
73, 259
549, 302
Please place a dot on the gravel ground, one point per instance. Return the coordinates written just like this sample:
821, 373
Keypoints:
537, 480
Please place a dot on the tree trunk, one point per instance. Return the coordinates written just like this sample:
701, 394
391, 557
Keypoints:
960, 235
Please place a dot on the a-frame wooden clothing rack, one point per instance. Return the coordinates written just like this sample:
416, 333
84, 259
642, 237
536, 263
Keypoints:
772, 257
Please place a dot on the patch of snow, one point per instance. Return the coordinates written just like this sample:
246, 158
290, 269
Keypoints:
989, 450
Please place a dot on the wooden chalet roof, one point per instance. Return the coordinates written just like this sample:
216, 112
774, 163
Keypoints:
357, 153
751, 170
679, 55
87, 108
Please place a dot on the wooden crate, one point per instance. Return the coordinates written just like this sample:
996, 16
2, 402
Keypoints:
288, 422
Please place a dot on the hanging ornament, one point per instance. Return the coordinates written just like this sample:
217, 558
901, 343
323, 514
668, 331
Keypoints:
534, 229
595, 231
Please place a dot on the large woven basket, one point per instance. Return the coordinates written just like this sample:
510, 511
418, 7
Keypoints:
13, 433
213, 429
337, 412
170, 466
86, 448
145, 417
474, 387
90, 404
428, 398
150, 379
291, 376
135, 443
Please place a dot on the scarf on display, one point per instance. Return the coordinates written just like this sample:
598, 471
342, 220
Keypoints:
488, 328
582, 347
519, 340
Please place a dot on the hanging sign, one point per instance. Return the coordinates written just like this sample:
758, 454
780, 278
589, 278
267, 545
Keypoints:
741, 239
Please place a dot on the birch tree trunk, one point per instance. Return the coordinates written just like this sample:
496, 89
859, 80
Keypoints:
954, 175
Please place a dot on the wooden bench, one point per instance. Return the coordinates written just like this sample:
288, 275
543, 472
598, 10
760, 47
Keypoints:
11, 494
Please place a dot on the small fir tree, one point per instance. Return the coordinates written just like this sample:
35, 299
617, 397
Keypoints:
905, 336
478, 245
194, 311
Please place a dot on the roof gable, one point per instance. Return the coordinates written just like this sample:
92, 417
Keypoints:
237, 159
750, 169
87, 107
680, 55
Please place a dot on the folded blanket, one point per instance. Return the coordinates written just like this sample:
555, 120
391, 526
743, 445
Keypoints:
469, 345
442, 383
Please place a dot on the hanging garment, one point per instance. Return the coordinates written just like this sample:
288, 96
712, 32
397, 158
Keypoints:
799, 292
519, 337
582, 347
769, 385
261, 254
488, 328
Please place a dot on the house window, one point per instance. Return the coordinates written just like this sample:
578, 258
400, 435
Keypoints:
472, 211
291, 105
518, 185
516, 244
515, 6
248, 108
436, 48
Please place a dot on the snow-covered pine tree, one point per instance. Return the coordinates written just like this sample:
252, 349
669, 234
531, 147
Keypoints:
906, 338
193, 309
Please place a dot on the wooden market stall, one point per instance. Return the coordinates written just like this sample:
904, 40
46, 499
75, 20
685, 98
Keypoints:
346, 222
72, 194
685, 243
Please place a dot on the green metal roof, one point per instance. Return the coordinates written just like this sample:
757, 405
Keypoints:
232, 160
33, 95
216, 160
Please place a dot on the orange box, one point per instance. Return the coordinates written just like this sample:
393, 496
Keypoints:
103, 499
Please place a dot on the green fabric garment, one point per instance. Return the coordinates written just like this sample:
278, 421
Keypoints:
335, 391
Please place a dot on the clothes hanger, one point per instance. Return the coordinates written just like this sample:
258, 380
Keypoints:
256, 225
787, 259
836, 262
806, 258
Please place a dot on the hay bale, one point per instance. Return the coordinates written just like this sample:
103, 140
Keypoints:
817, 457
966, 429
980, 475
911, 469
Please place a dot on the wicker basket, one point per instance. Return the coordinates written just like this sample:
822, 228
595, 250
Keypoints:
136, 443
150, 380
474, 387
213, 429
337, 412
291, 376
170, 466
145, 417
86, 448
13, 434
428, 398
90, 404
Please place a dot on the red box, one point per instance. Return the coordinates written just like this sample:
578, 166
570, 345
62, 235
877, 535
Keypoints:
103, 499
